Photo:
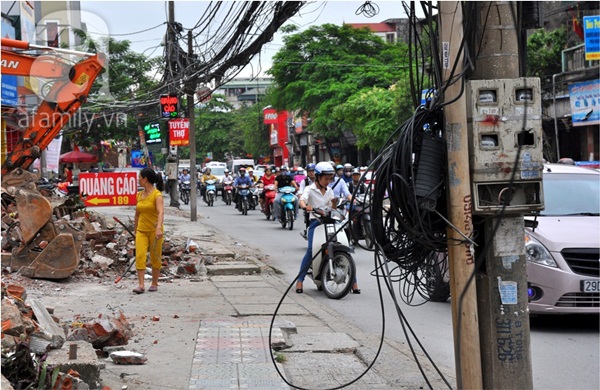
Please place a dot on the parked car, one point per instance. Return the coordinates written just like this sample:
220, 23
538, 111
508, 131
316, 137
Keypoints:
563, 251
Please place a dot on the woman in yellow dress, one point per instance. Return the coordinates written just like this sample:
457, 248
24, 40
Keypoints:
149, 218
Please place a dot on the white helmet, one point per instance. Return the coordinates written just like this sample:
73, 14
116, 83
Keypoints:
324, 168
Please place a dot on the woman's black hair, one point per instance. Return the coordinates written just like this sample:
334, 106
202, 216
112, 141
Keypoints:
153, 178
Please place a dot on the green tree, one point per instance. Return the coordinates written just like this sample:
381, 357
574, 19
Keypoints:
322, 67
544, 53
249, 123
130, 79
215, 128
373, 114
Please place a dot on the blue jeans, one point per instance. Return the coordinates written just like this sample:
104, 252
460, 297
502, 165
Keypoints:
304, 266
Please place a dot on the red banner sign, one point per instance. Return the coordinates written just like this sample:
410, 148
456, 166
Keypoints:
108, 189
270, 116
179, 132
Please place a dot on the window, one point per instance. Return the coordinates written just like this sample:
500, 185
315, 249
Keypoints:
390, 37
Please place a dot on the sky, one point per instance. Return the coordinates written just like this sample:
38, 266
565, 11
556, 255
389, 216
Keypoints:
125, 20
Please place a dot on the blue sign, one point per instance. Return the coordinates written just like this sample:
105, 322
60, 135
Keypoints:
138, 160
10, 97
427, 95
591, 34
585, 103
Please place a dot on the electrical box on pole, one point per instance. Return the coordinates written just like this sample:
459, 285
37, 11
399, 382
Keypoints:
505, 118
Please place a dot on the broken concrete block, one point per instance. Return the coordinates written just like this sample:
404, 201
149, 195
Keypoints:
102, 261
128, 357
86, 364
48, 329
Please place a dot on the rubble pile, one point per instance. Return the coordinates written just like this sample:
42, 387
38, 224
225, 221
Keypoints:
107, 248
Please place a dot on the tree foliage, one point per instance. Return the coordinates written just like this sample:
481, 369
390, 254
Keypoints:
214, 128
248, 122
325, 66
544, 51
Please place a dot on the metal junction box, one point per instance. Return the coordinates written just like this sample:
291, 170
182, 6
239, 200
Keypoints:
505, 118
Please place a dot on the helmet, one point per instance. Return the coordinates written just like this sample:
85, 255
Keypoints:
226, 170
277, 169
300, 170
250, 169
356, 170
339, 167
284, 168
324, 168
242, 170
310, 167
348, 166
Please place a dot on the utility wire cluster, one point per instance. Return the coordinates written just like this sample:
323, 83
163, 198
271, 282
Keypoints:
225, 38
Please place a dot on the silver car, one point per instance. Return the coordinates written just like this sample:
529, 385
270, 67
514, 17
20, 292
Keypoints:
563, 251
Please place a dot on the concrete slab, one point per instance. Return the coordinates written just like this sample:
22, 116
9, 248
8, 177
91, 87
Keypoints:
86, 363
329, 370
322, 342
232, 268
220, 279
266, 309
250, 291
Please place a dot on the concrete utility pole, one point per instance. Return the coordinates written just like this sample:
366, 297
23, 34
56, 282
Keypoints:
461, 259
504, 328
173, 159
190, 88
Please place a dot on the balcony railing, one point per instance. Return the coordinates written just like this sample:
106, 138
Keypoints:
573, 59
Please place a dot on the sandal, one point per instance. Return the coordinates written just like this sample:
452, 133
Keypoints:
153, 288
299, 288
356, 291
139, 290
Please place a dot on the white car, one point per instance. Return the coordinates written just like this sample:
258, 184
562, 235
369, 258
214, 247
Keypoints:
563, 251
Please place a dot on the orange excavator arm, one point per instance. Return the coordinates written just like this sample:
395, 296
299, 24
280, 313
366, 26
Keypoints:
71, 84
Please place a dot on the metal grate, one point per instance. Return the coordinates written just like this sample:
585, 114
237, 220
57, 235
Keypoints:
583, 261
579, 300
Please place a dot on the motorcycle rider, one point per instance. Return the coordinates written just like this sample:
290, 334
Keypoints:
315, 196
242, 179
348, 172
283, 180
206, 176
227, 180
267, 179
339, 186
185, 176
308, 180
356, 186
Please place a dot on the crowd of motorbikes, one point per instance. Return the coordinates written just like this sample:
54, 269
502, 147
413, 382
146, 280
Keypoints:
333, 269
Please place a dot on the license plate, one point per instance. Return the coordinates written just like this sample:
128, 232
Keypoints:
590, 285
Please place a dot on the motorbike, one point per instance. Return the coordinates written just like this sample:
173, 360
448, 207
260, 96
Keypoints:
227, 194
244, 198
359, 228
255, 191
211, 192
288, 207
269, 200
184, 191
332, 269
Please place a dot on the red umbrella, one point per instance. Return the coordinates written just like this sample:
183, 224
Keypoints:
78, 156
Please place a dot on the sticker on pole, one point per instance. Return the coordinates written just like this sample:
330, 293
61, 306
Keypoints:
108, 189
508, 291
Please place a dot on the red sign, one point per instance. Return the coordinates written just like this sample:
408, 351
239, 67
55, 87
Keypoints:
179, 132
169, 106
270, 116
108, 189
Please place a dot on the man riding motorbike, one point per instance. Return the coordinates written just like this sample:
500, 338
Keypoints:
283, 180
267, 179
242, 179
227, 180
206, 176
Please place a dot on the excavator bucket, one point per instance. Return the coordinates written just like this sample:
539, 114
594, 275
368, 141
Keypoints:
48, 250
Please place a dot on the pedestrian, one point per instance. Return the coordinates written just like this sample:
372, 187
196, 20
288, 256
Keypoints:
318, 195
149, 229
68, 174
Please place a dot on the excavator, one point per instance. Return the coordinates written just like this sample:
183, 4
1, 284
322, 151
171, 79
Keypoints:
42, 247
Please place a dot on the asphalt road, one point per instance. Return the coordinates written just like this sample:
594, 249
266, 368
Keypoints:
564, 349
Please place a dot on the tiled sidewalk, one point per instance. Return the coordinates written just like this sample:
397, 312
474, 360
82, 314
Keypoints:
234, 354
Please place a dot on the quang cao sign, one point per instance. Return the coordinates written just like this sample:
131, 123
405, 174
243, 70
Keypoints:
179, 132
108, 188
169, 106
585, 103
